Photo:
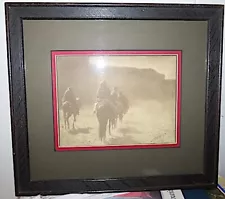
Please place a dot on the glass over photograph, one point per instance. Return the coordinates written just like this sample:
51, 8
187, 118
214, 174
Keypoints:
116, 99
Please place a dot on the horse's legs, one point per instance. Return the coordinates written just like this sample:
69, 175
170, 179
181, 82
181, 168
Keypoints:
67, 122
74, 120
64, 116
115, 122
110, 124
102, 130
105, 130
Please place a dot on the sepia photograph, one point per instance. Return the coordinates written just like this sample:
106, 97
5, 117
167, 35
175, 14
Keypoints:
116, 99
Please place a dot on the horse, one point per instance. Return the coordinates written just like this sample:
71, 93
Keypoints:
104, 113
120, 110
114, 117
113, 120
107, 114
69, 110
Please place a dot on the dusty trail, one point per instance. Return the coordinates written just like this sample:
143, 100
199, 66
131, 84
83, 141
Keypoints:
147, 122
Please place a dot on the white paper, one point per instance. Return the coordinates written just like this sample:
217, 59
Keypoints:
172, 194
86, 196
75, 196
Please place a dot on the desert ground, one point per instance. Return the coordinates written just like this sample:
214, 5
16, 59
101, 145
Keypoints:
147, 122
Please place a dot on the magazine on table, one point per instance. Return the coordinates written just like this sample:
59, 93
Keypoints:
166, 194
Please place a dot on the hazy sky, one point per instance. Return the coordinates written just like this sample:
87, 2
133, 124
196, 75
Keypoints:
164, 64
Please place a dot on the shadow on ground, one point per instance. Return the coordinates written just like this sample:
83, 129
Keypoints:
129, 130
80, 130
126, 139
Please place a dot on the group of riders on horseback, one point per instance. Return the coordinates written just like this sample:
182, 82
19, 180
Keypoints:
116, 100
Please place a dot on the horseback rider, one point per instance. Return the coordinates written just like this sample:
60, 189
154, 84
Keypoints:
70, 97
103, 91
103, 94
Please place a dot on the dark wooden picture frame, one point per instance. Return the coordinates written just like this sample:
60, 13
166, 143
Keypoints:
17, 12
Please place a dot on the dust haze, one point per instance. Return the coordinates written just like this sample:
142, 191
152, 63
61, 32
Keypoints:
149, 84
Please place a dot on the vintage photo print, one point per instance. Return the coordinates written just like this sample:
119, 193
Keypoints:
116, 99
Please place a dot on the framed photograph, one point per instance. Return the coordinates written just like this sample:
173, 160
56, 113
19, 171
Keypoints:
114, 97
